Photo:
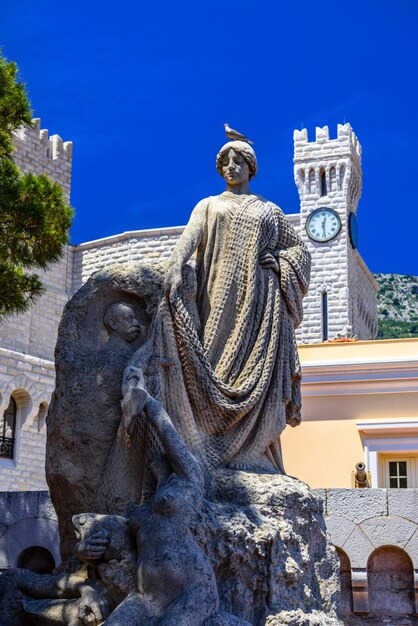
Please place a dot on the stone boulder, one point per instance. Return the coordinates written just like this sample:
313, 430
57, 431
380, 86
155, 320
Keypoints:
84, 413
266, 538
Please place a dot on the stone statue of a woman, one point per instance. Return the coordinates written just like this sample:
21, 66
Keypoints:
234, 381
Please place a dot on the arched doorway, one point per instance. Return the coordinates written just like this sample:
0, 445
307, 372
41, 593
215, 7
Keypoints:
37, 559
391, 581
346, 583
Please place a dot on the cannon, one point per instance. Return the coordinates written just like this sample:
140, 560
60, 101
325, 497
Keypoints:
360, 479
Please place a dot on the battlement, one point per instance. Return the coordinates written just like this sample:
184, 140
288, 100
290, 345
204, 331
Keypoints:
38, 152
346, 142
55, 147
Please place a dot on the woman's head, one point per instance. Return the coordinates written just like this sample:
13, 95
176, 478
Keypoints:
234, 159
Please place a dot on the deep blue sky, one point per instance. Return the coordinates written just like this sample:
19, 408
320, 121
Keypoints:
143, 90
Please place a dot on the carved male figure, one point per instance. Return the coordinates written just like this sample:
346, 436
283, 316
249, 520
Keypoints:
120, 321
175, 581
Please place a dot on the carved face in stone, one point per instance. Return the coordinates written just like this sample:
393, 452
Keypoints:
235, 168
120, 320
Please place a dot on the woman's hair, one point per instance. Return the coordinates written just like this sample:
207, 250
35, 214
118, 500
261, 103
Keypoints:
242, 148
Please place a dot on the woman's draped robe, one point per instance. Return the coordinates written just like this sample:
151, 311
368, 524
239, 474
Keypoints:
228, 372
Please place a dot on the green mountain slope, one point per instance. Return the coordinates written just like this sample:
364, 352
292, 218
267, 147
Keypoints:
397, 305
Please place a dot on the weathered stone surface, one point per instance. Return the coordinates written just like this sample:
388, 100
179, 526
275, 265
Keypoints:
3, 529
84, 414
45, 507
17, 506
322, 495
402, 501
358, 548
412, 549
380, 620
266, 538
388, 530
25, 533
356, 504
300, 618
339, 529
262, 534
9, 548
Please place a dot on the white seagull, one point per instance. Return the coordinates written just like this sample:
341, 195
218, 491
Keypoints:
235, 135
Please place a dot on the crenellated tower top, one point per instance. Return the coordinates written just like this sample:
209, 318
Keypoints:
345, 142
328, 167
39, 153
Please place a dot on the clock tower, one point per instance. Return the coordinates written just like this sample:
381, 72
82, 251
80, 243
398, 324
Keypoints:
342, 292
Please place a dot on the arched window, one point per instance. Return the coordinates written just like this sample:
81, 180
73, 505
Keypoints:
346, 583
36, 559
332, 179
301, 178
8, 431
311, 181
323, 183
342, 174
391, 581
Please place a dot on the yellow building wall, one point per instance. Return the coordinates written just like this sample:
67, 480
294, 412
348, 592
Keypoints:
324, 449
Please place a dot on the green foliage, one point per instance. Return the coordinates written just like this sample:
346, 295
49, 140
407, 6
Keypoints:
14, 104
34, 217
397, 306
397, 329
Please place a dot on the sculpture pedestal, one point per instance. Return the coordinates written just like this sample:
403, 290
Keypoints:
266, 539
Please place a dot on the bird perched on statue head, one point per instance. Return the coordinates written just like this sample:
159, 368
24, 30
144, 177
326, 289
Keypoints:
235, 135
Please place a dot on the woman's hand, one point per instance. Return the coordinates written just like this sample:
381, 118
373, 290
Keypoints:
269, 262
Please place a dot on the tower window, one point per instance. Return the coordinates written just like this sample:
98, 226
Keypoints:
332, 179
312, 181
324, 316
8, 431
323, 183
301, 175
342, 174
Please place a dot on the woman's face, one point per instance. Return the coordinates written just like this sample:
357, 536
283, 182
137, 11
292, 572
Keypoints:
235, 169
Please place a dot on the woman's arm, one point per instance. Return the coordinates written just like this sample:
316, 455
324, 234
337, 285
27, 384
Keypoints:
185, 247
181, 459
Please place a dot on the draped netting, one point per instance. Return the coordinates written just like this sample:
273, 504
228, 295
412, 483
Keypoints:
226, 368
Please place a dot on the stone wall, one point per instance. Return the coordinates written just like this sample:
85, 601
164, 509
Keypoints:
363, 297
30, 381
376, 532
135, 246
27, 520
28, 340
35, 332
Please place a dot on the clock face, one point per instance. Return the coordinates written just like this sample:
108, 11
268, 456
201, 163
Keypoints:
323, 224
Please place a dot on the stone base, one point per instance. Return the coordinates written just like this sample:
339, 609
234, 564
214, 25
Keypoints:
380, 620
266, 538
